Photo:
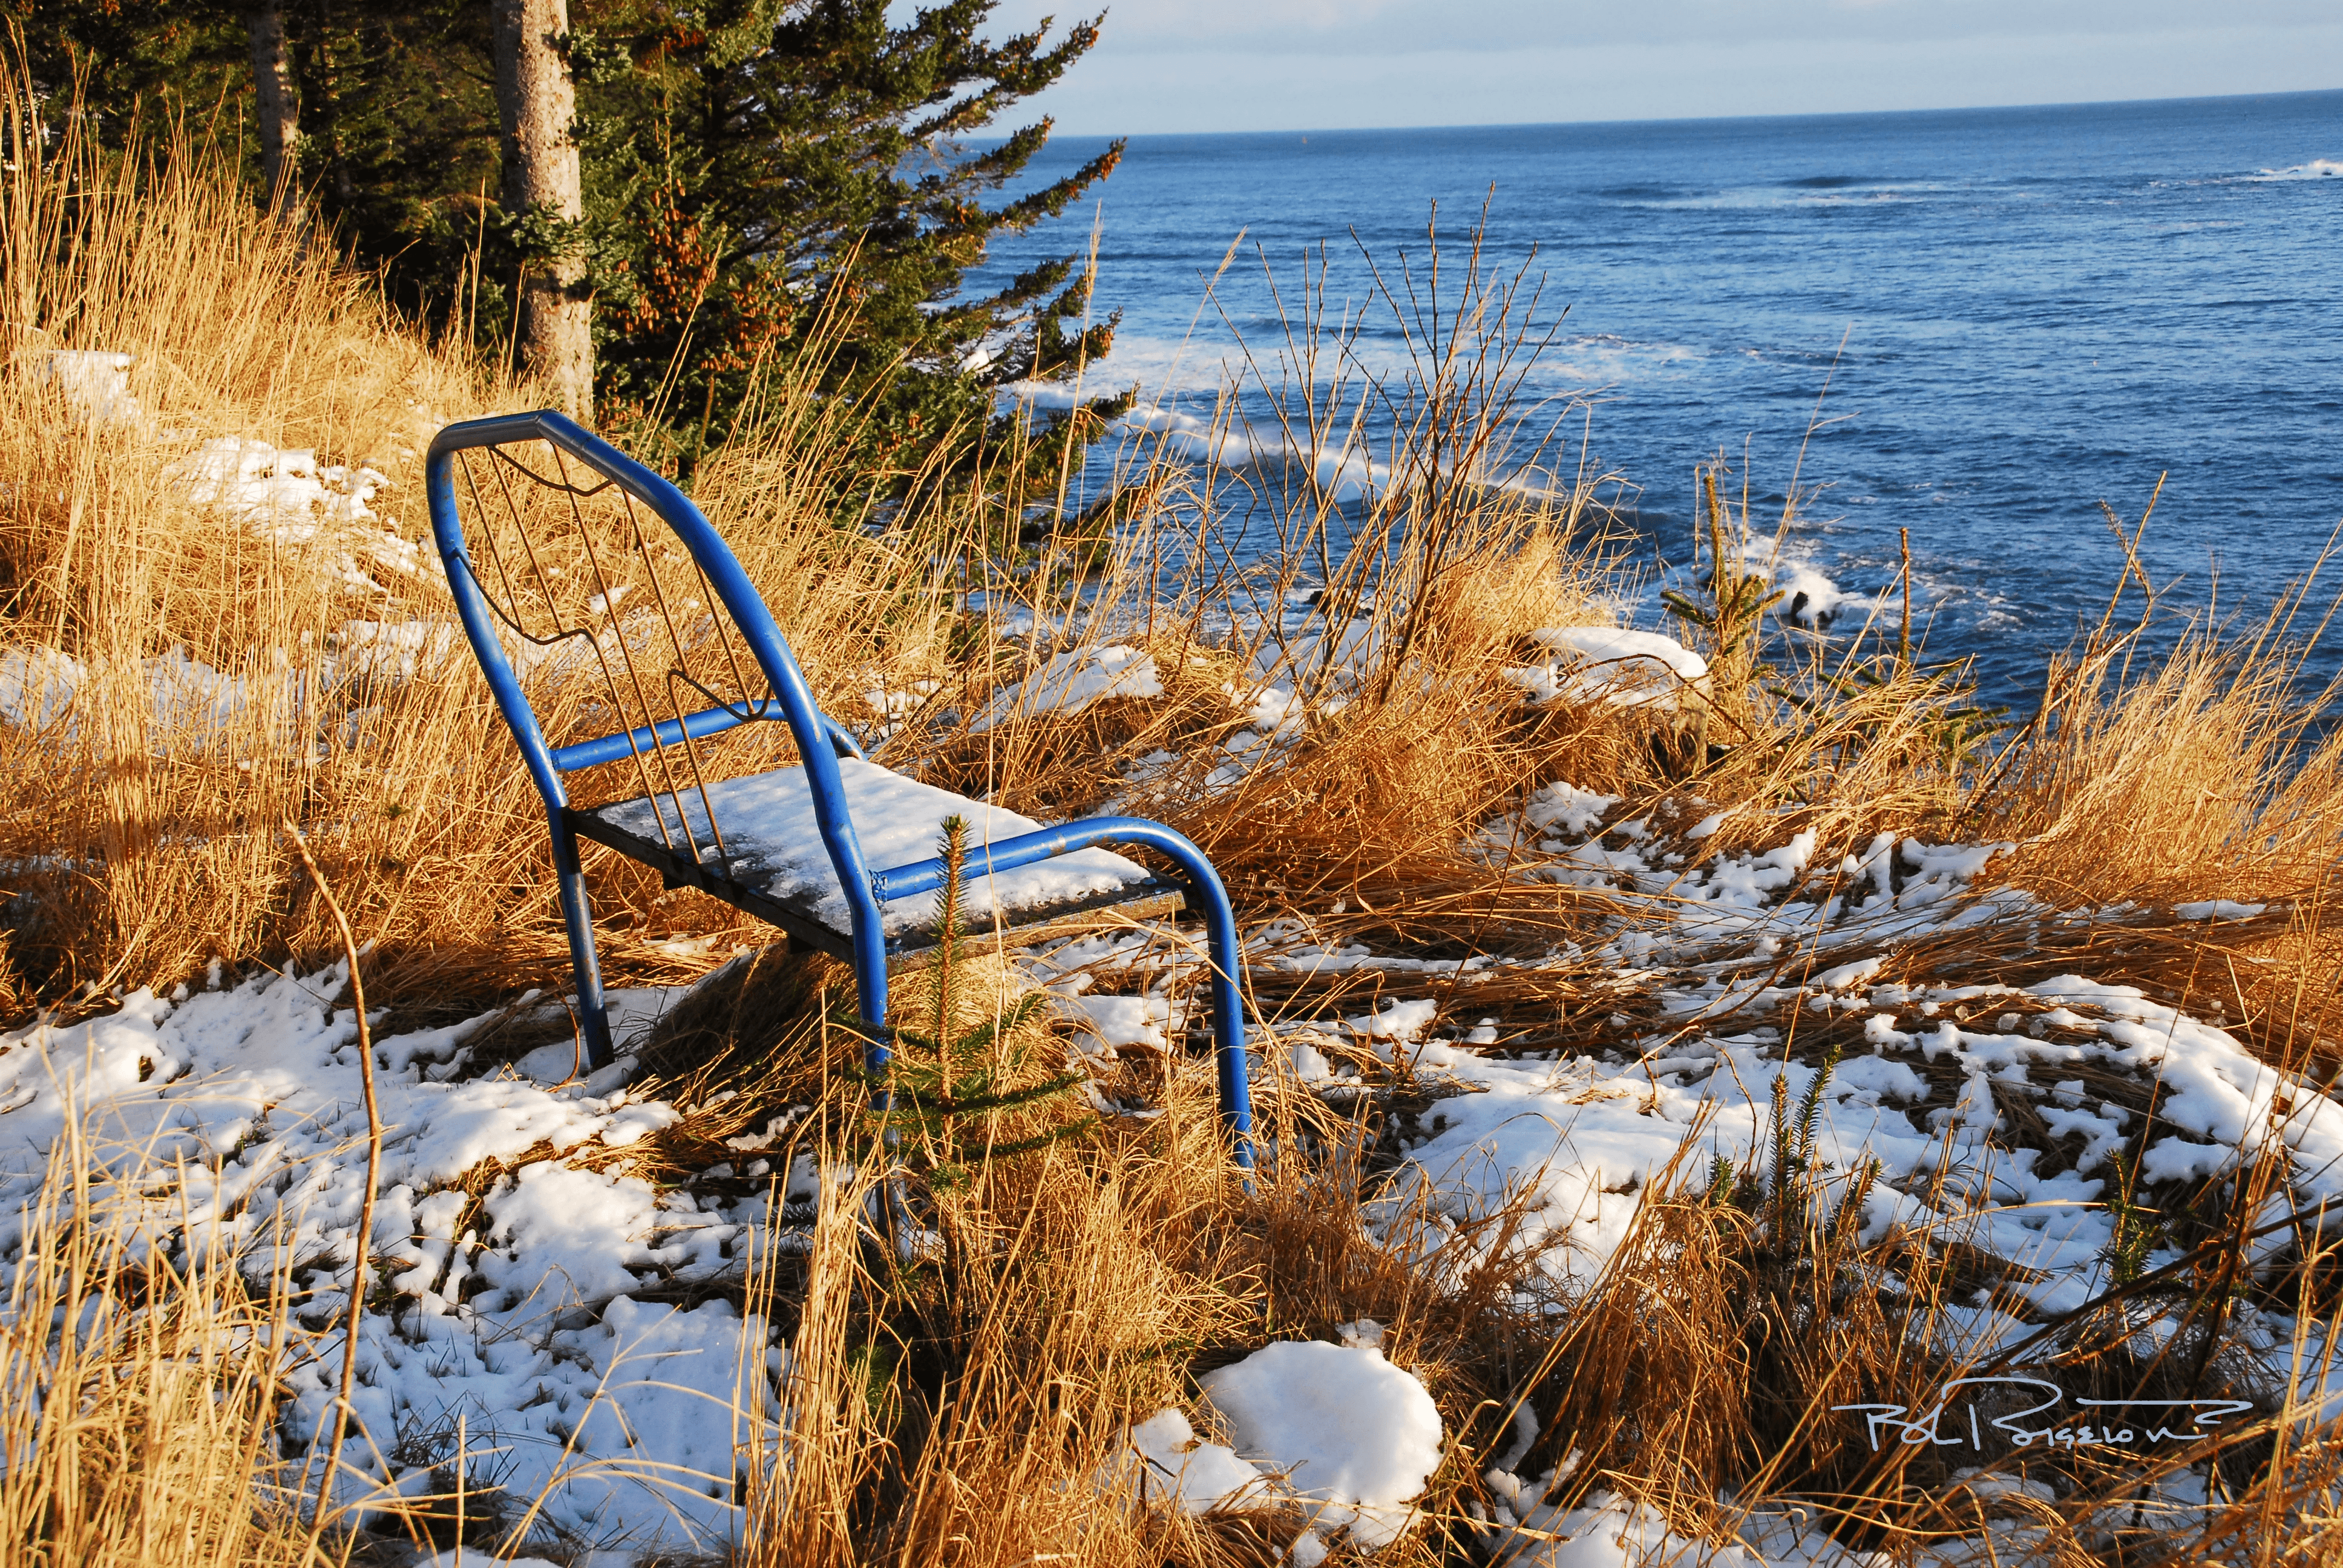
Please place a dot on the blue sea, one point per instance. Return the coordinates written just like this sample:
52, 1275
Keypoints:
2019, 315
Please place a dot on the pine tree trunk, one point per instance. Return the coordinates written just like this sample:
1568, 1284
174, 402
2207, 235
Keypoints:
280, 125
539, 104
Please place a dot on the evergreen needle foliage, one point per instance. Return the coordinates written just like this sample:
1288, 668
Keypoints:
762, 164
1931, 709
775, 191
2135, 1235
1727, 609
1796, 1176
948, 1088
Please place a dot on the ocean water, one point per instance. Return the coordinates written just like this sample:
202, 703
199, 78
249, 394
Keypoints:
2020, 314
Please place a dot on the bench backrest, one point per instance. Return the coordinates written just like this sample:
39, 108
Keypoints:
649, 652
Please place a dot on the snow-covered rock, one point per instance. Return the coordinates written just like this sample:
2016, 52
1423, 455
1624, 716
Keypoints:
1611, 665
1071, 681
1351, 1434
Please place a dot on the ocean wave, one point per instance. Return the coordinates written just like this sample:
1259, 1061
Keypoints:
1833, 597
1201, 404
1346, 471
1210, 360
2316, 169
1826, 190
1809, 598
1605, 359
1202, 365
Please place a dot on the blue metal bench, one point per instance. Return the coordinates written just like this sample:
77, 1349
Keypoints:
648, 690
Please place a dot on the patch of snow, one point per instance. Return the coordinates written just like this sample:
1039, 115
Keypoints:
1071, 681
233, 1115
95, 382
1114, 1021
1566, 808
1612, 665
37, 684
1399, 1021
1351, 1433
285, 498
1176, 1466
2218, 909
770, 829
1309, 1064
1615, 645
1609, 1531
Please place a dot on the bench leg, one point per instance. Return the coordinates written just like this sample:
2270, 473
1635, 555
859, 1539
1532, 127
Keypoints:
870, 996
1228, 1009
593, 1018
1220, 945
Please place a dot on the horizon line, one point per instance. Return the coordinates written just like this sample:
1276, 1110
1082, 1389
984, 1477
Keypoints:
1691, 119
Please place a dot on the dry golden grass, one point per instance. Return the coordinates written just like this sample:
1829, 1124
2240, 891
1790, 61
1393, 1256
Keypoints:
145, 1438
964, 1413
145, 834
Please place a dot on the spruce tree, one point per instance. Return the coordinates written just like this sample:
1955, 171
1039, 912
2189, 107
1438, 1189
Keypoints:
765, 161
393, 129
130, 63
750, 167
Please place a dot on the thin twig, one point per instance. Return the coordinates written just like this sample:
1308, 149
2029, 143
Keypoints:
366, 1206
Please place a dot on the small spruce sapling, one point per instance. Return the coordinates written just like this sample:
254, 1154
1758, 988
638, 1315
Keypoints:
949, 1090
1795, 1165
1729, 601
1722, 1179
2133, 1235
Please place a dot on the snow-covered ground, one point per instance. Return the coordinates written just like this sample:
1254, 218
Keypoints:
541, 1304
237, 1111
1983, 1115
539, 1299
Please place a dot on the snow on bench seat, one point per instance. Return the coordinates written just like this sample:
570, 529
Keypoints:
772, 846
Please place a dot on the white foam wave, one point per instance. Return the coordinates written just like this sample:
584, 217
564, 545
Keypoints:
2316, 169
1605, 359
1208, 364
1813, 601
1210, 360
1809, 598
1347, 471
1776, 196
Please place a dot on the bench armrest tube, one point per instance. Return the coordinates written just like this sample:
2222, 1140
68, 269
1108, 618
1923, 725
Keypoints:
1220, 929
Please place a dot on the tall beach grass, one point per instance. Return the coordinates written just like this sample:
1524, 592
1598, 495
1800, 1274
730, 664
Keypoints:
973, 1413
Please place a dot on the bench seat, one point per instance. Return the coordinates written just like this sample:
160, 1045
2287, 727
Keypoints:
774, 865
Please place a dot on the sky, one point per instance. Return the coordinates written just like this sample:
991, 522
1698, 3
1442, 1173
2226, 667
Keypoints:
1185, 65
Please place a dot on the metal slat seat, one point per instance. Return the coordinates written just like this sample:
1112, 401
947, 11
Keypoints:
598, 591
771, 863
